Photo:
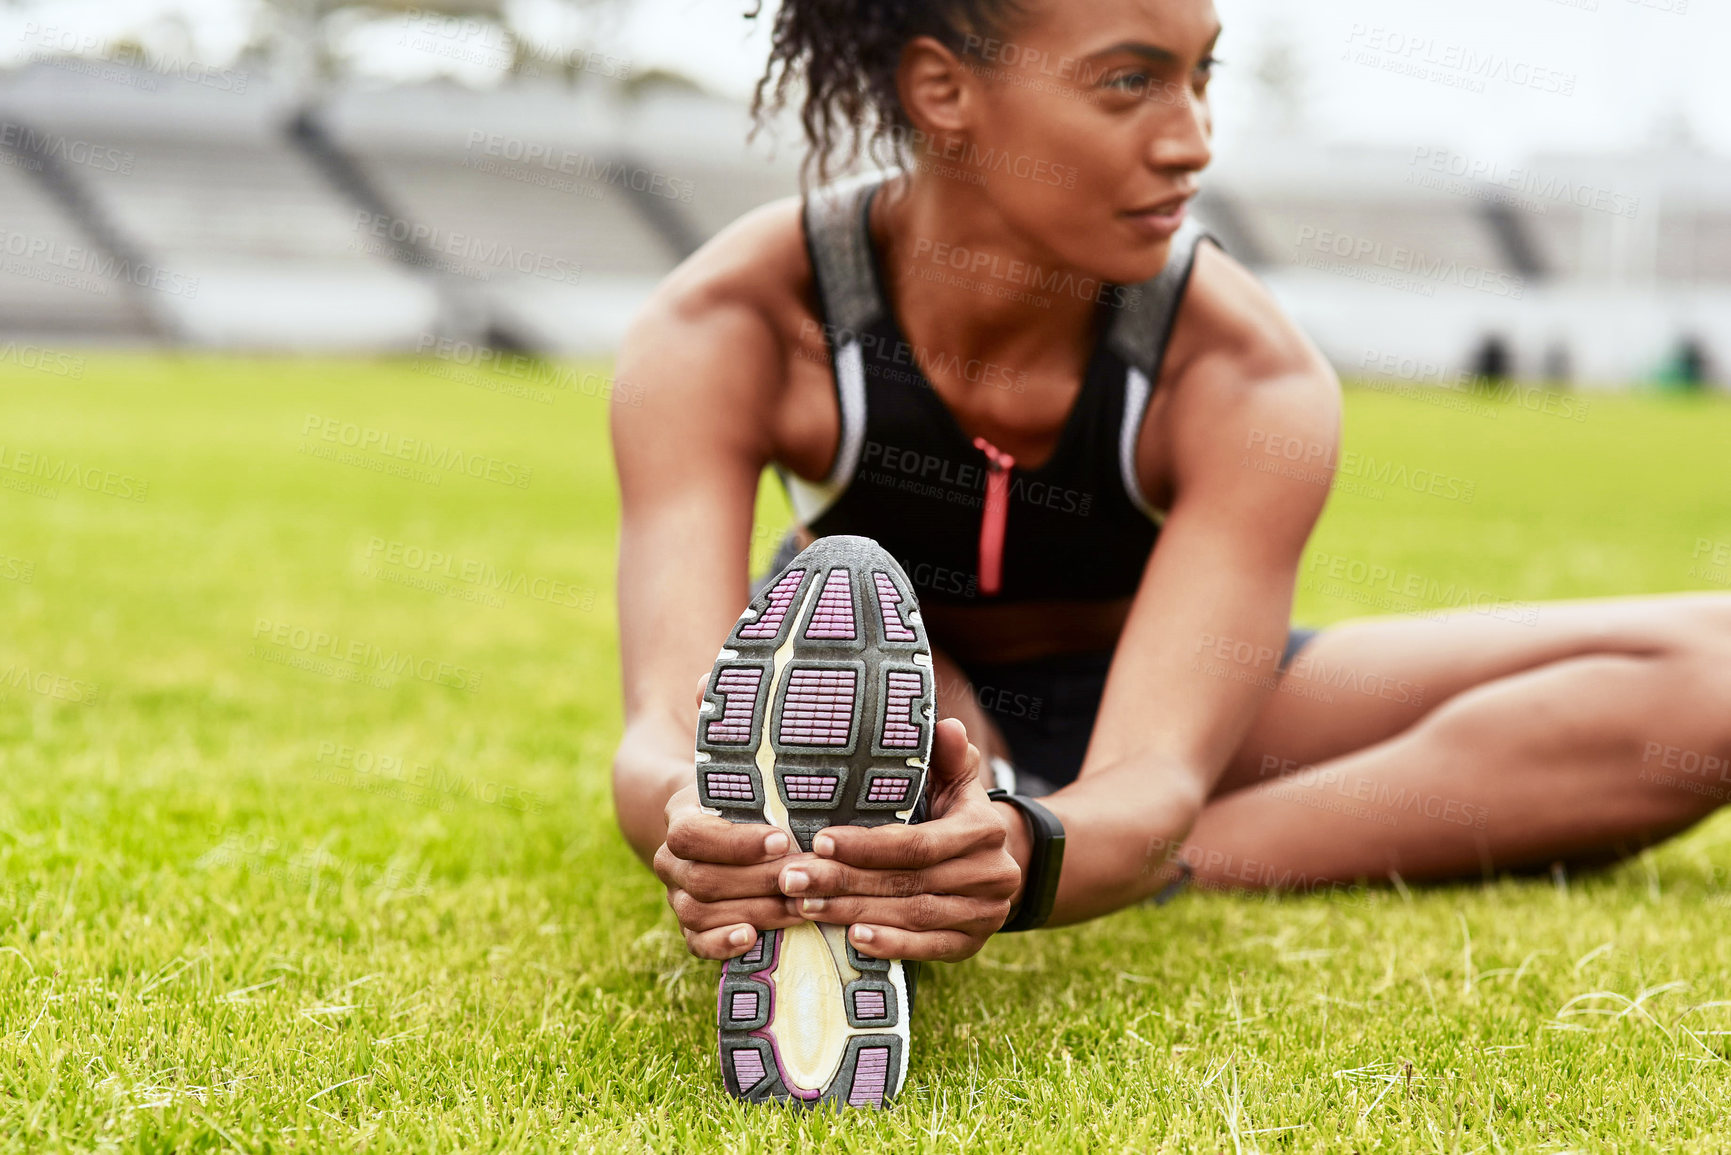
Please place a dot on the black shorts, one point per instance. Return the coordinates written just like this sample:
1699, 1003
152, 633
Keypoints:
1044, 707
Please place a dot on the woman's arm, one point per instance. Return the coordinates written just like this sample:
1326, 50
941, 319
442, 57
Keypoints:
1247, 394
689, 459
1250, 430
1200, 652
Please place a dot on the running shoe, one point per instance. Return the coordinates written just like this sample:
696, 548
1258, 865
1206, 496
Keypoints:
818, 713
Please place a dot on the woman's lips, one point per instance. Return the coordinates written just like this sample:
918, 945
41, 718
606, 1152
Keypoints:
1161, 221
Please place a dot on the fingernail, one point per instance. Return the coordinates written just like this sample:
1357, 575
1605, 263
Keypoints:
740, 936
863, 934
775, 844
813, 905
824, 845
794, 881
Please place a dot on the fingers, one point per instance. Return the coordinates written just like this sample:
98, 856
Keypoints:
722, 930
699, 837
955, 760
963, 819
974, 917
708, 882
722, 943
702, 685
919, 946
983, 876
970, 828
697, 916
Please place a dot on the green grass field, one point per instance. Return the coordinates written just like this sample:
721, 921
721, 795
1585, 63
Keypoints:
306, 842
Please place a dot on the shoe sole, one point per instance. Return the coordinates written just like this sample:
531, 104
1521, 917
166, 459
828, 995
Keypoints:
818, 713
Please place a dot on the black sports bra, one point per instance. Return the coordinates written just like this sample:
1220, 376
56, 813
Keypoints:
968, 525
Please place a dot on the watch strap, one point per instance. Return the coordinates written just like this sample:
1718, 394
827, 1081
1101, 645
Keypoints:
1045, 862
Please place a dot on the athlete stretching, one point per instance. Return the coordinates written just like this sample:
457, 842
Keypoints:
1015, 364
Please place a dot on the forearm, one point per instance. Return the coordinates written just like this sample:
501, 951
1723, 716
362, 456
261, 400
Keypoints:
1121, 833
648, 769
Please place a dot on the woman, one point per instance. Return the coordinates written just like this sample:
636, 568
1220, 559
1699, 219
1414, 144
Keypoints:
1017, 364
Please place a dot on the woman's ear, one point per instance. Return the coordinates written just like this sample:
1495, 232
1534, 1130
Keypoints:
938, 91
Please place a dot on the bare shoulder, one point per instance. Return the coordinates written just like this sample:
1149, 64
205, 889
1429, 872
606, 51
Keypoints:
717, 332
1235, 354
1235, 345
1241, 382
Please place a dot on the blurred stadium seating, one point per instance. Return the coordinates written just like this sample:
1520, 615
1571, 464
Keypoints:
141, 209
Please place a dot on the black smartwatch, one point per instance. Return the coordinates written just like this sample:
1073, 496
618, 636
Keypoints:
1040, 883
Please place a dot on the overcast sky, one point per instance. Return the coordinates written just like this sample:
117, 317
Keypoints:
1506, 76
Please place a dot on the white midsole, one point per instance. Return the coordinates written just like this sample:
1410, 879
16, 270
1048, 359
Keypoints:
813, 970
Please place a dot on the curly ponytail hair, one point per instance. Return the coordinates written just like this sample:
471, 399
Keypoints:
847, 52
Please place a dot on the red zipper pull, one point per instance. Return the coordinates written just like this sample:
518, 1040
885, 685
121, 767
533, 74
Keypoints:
996, 513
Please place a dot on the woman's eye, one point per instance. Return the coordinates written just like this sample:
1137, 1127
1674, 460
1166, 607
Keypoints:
1129, 81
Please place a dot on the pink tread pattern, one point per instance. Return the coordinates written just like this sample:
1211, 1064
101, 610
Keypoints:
900, 729
737, 686
731, 786
755, 954
810, 787
890, 601
866, 1004
780, 598
871, 1071
819, 707
744, 1006
833, 617
888, 790
747, 1068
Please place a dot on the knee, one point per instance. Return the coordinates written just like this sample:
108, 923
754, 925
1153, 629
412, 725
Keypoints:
1687, 730
1701, 675
1702, 623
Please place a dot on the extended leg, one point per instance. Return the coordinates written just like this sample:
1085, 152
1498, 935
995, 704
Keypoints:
1610, 729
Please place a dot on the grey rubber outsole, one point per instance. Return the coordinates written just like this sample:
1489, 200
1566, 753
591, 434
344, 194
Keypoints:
826, 683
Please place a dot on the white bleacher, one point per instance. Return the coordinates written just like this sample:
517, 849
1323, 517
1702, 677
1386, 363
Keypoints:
217, 191
212, 194
459, 161
48, 288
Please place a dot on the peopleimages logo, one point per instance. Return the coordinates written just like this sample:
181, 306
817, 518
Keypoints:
50, 40
934, 476
385, 556
465, 254
28, 356
580, 165
921, 361
1424, 269
384, 443
64, 471
38, 146
84, 259
362, 656
1023, 274
50, 685
1323, 463
995, 161
1528, 188
1453, 65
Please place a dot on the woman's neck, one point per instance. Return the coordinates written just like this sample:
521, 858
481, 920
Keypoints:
959, 279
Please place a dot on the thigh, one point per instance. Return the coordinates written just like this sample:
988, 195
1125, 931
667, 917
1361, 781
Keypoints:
1362, 682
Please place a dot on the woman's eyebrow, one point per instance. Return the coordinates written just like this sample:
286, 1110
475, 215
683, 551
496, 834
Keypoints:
1153, 52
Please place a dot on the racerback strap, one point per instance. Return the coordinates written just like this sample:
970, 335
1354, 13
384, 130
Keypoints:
837, 239
839, 245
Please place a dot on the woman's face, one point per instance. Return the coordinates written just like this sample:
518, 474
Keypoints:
1089, 126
